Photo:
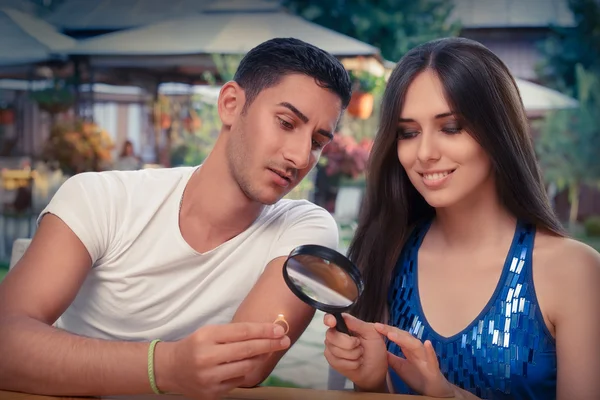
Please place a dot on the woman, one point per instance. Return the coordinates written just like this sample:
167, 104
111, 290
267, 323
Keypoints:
128, 161
486, 296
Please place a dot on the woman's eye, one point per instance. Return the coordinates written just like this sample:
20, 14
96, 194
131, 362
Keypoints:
451, 129
316, 144
406, 134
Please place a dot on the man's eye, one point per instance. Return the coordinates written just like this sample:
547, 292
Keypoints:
285, 124
317, 144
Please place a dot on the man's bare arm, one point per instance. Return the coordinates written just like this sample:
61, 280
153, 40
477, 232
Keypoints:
38, 358
267, 299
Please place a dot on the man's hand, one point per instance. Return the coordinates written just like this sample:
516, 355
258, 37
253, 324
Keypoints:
215, 359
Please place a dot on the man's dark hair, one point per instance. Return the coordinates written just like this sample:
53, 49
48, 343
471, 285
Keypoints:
266, 64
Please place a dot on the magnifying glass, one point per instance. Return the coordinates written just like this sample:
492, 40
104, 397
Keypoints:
324, 279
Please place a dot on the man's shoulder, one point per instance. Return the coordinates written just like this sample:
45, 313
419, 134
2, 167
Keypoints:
298, 222
293, 211
130, 181
140, 175
284, 206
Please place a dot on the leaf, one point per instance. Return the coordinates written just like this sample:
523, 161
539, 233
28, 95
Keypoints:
393, 26
569, 140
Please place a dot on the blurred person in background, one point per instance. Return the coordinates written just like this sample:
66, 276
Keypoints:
128, 161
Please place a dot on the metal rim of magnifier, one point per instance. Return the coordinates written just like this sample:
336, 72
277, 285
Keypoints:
333, 257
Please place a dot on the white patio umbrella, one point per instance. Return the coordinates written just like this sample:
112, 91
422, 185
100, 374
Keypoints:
540, 98
26, 6
102, 15
27, 39
220, 33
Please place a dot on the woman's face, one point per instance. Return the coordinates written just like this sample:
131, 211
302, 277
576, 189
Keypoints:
128, 149
443, 162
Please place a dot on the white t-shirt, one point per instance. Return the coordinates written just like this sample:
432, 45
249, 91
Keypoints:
146, 281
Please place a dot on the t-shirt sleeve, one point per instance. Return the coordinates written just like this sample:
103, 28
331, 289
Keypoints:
306, 224
81, 203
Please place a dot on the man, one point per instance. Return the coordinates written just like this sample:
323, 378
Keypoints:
191, 256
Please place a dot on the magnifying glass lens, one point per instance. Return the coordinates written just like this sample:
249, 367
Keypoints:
324, 279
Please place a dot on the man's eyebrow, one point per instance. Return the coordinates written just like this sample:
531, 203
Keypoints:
326, 133
293, 109
304, 118
443, 115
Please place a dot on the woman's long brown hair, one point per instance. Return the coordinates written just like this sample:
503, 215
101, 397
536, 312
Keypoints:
480, 88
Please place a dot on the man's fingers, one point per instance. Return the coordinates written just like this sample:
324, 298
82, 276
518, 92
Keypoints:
226, 387
232, 372
229, 352
240, 331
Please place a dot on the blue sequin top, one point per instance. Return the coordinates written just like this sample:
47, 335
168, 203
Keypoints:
507, 352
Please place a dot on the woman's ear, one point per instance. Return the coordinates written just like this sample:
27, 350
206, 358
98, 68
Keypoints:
231, 102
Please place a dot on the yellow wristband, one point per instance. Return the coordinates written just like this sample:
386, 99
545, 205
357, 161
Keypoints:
151, 367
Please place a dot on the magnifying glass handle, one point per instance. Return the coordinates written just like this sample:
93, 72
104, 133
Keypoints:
341, 324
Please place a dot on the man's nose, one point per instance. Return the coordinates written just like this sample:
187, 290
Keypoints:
298, 151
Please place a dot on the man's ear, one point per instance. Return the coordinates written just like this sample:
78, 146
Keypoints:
231, 102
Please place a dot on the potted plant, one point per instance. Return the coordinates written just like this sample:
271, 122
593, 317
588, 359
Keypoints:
54, 100
7, 115
343, 163
78, 146
364, 84
192, 122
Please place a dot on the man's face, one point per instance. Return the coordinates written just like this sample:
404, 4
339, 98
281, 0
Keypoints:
279, 138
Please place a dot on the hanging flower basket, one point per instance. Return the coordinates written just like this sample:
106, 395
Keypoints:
165, 121
364, 85
361, 105
54, 108
7, 116
78, 146
192, 121
192, 124
54, 100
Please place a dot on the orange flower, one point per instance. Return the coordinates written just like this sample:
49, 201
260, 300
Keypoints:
78, 146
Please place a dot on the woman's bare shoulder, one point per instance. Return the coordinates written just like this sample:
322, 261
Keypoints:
566, 274
565, 261
561, 252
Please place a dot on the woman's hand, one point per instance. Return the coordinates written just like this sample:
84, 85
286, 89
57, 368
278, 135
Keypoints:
362, 358
420, 369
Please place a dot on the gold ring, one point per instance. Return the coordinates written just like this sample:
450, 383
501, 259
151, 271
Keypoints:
281, 321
